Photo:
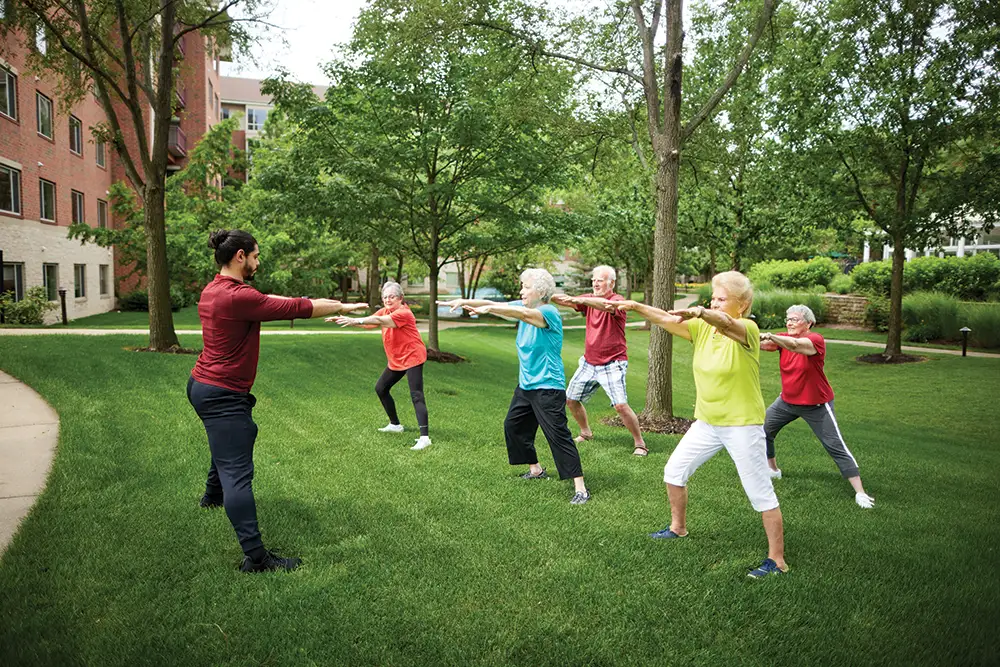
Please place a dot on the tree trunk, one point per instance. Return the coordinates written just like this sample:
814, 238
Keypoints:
432, 309
711, 261
647, 289
893, 345
659, 386
161, 322
372, 290
399, 268
460, 265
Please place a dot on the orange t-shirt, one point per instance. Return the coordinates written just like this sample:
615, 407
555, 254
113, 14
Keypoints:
404, 348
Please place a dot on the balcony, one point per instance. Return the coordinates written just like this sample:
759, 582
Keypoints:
179, 96
180, 42
177, 142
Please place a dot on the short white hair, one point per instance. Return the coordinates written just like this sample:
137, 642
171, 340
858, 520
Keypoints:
542, 281
737, 286
803, 311
606, 270
393, 288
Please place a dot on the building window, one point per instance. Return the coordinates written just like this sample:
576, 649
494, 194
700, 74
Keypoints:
10, 190
47, 200
13, 280
225, 114
218, 107
102, 213
79, 280
44, 106
256, 119
50, 281
77, 199
211, 93
101, 150
8, 91
75, 135
102, 274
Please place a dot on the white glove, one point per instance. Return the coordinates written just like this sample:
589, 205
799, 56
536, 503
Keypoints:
864, 500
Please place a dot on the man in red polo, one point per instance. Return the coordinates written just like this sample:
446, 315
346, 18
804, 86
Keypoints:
605, 357
219, 387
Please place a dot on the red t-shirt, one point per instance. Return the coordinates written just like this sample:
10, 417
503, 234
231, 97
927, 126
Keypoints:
605, 337
404, 348
803, 381
231, 312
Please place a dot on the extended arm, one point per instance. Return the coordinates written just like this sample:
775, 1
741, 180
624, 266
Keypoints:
455, 304
532, 316
726, 325
369, 322
323, 307
661, 318
790, 343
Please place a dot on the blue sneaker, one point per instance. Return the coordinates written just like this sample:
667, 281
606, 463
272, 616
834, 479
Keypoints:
764, 569
666, 534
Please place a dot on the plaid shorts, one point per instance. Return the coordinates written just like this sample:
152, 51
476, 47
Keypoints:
588, 378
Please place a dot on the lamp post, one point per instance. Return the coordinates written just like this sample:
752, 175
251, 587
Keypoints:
62, 300
965, 338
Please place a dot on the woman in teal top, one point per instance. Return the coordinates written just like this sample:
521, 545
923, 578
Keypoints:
540, 396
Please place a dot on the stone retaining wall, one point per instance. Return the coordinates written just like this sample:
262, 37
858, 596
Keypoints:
845, 309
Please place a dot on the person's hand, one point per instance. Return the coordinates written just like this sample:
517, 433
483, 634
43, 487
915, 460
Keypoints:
454, 304
480, 310
608, 306
346, 321
627, 304
765, 337
688, 313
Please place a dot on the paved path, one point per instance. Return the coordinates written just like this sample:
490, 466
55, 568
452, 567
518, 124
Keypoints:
29, 430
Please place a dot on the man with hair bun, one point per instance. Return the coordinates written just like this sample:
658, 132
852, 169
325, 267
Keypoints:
219, 387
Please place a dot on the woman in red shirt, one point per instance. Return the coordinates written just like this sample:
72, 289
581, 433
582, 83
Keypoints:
406, 354
806, 393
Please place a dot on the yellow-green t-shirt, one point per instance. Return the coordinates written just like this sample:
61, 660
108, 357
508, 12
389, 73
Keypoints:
726, 376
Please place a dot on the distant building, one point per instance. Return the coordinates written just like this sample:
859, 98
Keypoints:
950, 246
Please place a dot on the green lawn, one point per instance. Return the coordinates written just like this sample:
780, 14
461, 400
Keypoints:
445, 557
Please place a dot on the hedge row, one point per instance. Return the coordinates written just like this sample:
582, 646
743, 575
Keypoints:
934, 316
973, 278
794, 274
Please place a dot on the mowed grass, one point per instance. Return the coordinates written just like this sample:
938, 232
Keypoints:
445, 557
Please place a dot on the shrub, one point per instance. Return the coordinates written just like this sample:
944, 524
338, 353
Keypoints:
873, 278
704, 296
138, 300
842, 284
29, 310
877, 314
929, 316
795, 275
972, 278
984, 320
769, 307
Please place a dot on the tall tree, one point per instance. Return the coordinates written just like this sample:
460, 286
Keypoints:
444, 132
903, 97
126, 53
652, 60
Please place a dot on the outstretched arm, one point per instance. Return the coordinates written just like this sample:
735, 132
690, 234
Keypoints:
456, 304
532, 316
323, 307
661, 318
369, 322
728, 326
790, 343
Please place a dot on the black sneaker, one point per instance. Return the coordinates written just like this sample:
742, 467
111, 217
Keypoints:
208, 502
271, 562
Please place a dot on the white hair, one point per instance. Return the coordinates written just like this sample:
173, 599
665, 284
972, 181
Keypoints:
606, 270
393, 288
803, 311
542, 281
737, 286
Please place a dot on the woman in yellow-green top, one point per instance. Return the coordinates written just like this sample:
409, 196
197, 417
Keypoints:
729, 410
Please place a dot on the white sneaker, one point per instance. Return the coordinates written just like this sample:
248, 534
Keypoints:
422, 442
392, 428
864, 500
775, 474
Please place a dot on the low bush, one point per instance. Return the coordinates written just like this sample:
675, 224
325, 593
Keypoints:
795, 274
138, 300
29, 310
973, 278
842, 284
984, 320
929, 316
877, 313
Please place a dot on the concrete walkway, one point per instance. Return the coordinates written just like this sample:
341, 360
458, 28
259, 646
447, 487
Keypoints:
29, 430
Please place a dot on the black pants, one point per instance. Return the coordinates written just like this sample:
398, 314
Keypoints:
415, 378
530, 409
231, 435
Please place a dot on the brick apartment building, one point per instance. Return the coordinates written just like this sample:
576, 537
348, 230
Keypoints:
53, 172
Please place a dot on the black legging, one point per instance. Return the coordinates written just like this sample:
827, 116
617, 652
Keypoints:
415, 377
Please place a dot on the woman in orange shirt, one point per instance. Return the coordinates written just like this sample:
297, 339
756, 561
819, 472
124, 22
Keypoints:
406, 354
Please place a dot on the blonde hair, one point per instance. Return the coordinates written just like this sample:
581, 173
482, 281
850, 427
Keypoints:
737, 286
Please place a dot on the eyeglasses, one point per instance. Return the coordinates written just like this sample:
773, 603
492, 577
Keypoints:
794, 320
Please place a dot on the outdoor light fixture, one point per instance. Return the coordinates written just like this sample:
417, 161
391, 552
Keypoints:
62, 300
965, 338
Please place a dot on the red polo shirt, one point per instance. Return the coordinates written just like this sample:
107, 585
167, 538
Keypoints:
803, 381
231, 312
605, 337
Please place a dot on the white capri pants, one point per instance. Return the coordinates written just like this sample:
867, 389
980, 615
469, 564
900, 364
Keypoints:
746, 446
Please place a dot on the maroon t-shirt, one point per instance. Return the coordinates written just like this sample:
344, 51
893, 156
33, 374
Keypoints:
803, 381
605, 337
231, 312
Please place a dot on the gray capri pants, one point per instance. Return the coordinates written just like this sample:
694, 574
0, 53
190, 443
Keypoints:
821, 420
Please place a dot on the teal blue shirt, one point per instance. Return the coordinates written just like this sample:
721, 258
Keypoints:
539, 351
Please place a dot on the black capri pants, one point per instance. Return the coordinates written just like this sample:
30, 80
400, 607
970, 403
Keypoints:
531, 408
